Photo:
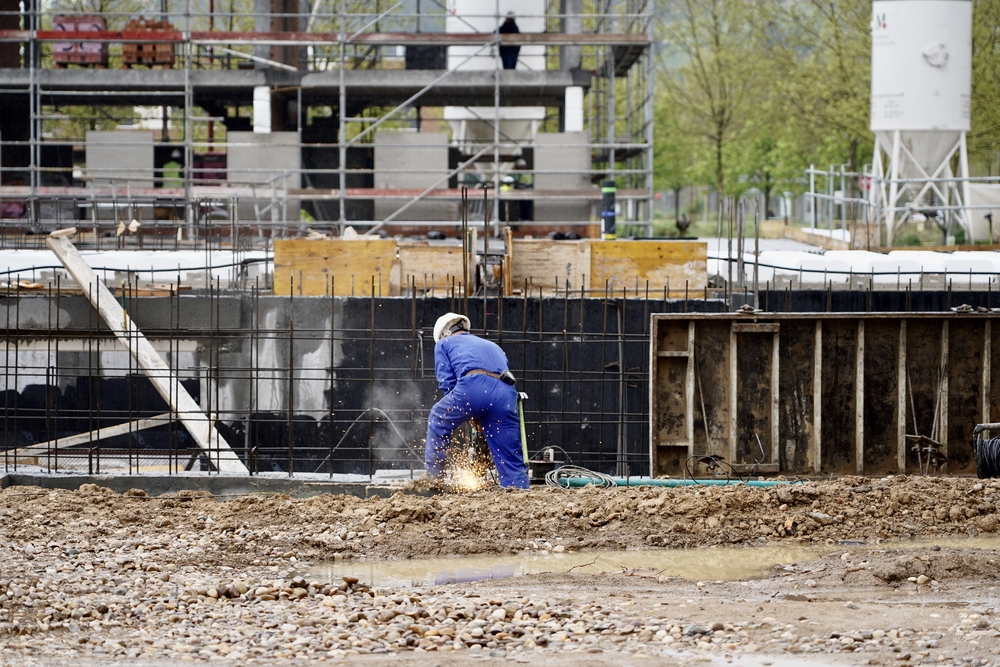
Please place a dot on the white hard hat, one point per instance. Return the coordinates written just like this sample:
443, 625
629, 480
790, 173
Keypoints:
446, 322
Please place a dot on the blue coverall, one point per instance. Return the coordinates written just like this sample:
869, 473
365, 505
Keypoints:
488, 400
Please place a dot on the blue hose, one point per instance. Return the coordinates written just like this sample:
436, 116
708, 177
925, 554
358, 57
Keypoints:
576, 482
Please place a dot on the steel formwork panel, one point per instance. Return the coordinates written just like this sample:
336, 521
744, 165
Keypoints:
825, 393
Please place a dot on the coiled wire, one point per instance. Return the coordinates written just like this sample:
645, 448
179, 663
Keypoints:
567, 472
987, 457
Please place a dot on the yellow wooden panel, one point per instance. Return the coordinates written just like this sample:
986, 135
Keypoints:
351, 266
547, 263
626, 264
432, 267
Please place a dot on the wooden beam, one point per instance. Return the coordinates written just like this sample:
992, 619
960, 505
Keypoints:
690, 391
732, 395
817, 434
92, 436
775, 400
943, 421
859, 400
901, 402
987, 362
152, 364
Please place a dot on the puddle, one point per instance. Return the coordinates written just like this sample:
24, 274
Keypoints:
693, 564
725, 564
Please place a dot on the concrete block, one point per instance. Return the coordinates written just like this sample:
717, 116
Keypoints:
122, 156
559, 151
412, 161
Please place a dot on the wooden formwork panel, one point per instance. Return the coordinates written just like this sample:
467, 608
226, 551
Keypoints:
432, 268
826, 393
619, 264
344, 267
598, 265
549, 264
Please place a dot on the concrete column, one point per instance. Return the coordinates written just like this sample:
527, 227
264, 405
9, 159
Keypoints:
262, 23
573, 113
570, 56
261, 110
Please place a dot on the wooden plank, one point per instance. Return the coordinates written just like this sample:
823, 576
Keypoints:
690, 389
943, 430
654, 404
859, 400
732, 395
987, 379
431, 266
92, 436
775, 400
308, 266
546, 263
817, 434
152, 364
901, 401
620, 263
756, 327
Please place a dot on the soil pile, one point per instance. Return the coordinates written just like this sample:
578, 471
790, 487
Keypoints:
196, 528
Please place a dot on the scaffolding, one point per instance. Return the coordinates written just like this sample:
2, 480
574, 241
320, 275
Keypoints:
277, 109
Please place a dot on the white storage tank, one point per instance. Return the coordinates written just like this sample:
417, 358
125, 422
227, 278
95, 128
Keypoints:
921, 65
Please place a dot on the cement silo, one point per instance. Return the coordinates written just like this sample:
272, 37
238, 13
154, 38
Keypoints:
920, 102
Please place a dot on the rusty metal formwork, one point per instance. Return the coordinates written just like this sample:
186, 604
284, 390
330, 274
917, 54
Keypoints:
825, 393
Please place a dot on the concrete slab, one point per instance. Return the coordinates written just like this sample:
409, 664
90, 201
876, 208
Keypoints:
220, 486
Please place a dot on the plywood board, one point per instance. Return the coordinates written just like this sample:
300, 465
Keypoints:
620, 263
546, 263
431, 267
308, 267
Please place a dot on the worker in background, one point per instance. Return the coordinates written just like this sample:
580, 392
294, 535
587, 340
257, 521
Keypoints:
472, 372
508, 54
510, 211
173, 171
524, 180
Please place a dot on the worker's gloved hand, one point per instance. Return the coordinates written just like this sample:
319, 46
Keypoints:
508, 378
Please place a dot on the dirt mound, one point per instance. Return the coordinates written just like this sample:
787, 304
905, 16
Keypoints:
259, 528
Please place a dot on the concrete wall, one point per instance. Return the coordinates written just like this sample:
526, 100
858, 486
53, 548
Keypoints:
557, 151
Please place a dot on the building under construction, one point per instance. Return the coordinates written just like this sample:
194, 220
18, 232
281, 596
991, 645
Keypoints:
277, 114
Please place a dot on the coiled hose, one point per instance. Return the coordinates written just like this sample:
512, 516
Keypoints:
567, 472
987, 457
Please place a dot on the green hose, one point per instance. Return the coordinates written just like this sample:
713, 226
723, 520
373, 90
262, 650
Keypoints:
576, 482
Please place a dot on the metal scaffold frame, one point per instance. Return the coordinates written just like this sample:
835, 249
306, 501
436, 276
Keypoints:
331, 56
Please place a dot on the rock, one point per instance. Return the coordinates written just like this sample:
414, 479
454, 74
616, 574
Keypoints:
811, 583
923, 579
693, 630
716, 627
558, 549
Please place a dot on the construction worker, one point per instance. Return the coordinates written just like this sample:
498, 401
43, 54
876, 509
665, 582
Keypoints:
524, 181
510, 211
508, 54
173, 171
473, 373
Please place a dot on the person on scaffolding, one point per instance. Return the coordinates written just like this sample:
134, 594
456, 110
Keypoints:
472, 372
508, 54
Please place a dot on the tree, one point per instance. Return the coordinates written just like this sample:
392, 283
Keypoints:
713, 82
819, 52
984, 139
672, 151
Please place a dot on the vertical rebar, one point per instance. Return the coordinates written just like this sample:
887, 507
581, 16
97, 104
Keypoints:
291, 375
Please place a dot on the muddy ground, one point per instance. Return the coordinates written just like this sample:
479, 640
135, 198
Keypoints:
98, 577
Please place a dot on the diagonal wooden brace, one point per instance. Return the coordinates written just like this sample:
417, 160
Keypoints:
152, 364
